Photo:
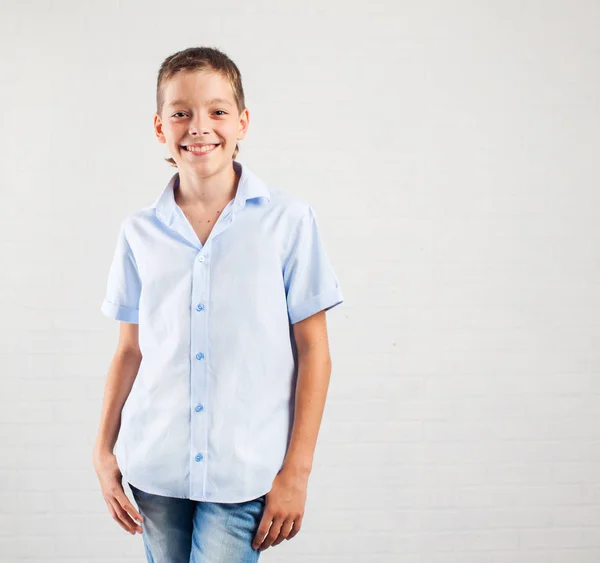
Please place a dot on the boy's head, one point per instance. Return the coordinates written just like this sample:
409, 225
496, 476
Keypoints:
187, 112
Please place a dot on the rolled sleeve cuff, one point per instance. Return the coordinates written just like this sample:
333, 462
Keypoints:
324, 301
119, 312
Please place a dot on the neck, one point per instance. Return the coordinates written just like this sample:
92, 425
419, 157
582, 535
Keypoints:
204, 193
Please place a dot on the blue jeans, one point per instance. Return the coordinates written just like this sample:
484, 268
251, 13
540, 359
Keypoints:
177, 530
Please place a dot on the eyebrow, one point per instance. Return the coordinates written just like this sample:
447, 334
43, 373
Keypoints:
208, 102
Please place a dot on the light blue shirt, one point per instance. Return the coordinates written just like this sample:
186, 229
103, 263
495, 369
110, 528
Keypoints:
210, 413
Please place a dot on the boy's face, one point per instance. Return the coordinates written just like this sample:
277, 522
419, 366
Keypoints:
191, 115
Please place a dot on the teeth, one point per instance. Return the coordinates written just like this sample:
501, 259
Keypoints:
202, 149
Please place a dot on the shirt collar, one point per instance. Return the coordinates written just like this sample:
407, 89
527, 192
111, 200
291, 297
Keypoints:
249, 186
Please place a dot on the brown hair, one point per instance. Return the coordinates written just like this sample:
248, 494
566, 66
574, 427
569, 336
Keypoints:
201, 58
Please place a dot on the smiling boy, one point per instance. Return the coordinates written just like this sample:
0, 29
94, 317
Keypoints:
218, 385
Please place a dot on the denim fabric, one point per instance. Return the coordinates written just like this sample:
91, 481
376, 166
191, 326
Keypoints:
177, 530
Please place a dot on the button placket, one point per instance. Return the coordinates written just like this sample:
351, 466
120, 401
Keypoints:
198, 348
199, 369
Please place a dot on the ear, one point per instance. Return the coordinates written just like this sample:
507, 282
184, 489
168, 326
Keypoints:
158, 130
244, 123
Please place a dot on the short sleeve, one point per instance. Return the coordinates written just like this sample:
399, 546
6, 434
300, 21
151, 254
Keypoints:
310, 281
123, 287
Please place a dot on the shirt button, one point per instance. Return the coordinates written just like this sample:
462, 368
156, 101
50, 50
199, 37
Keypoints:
199, 355
199, 307
200, 258
199, 457
199, 408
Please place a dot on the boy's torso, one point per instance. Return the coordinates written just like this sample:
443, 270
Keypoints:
227, 416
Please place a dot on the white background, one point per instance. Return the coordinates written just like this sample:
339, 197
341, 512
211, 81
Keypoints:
450, 151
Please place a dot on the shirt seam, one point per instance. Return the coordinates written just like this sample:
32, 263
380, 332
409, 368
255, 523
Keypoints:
295, 238
132, 254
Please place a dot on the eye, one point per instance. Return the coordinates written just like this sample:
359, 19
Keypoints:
222, 111
177, 113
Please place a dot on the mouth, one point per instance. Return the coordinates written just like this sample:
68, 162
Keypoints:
200, 152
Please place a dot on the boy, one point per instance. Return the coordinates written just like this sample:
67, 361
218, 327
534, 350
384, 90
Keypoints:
218, 385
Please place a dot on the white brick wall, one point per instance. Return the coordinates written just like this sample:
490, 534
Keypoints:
450, 152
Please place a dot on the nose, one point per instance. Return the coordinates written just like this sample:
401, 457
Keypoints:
199, 123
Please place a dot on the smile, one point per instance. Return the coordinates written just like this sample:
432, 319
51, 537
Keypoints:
203, 150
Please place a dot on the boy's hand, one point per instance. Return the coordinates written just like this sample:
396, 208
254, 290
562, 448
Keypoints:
118, 504
284, 509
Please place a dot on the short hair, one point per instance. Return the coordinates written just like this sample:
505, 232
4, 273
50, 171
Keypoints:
200, 58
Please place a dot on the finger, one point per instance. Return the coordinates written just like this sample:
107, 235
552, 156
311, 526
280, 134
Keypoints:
126, 505
295, 528
130, 509
120, 516
272, 535
285, 531
263, 530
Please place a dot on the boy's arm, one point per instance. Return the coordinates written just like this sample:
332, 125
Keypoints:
119, 381
314, 370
